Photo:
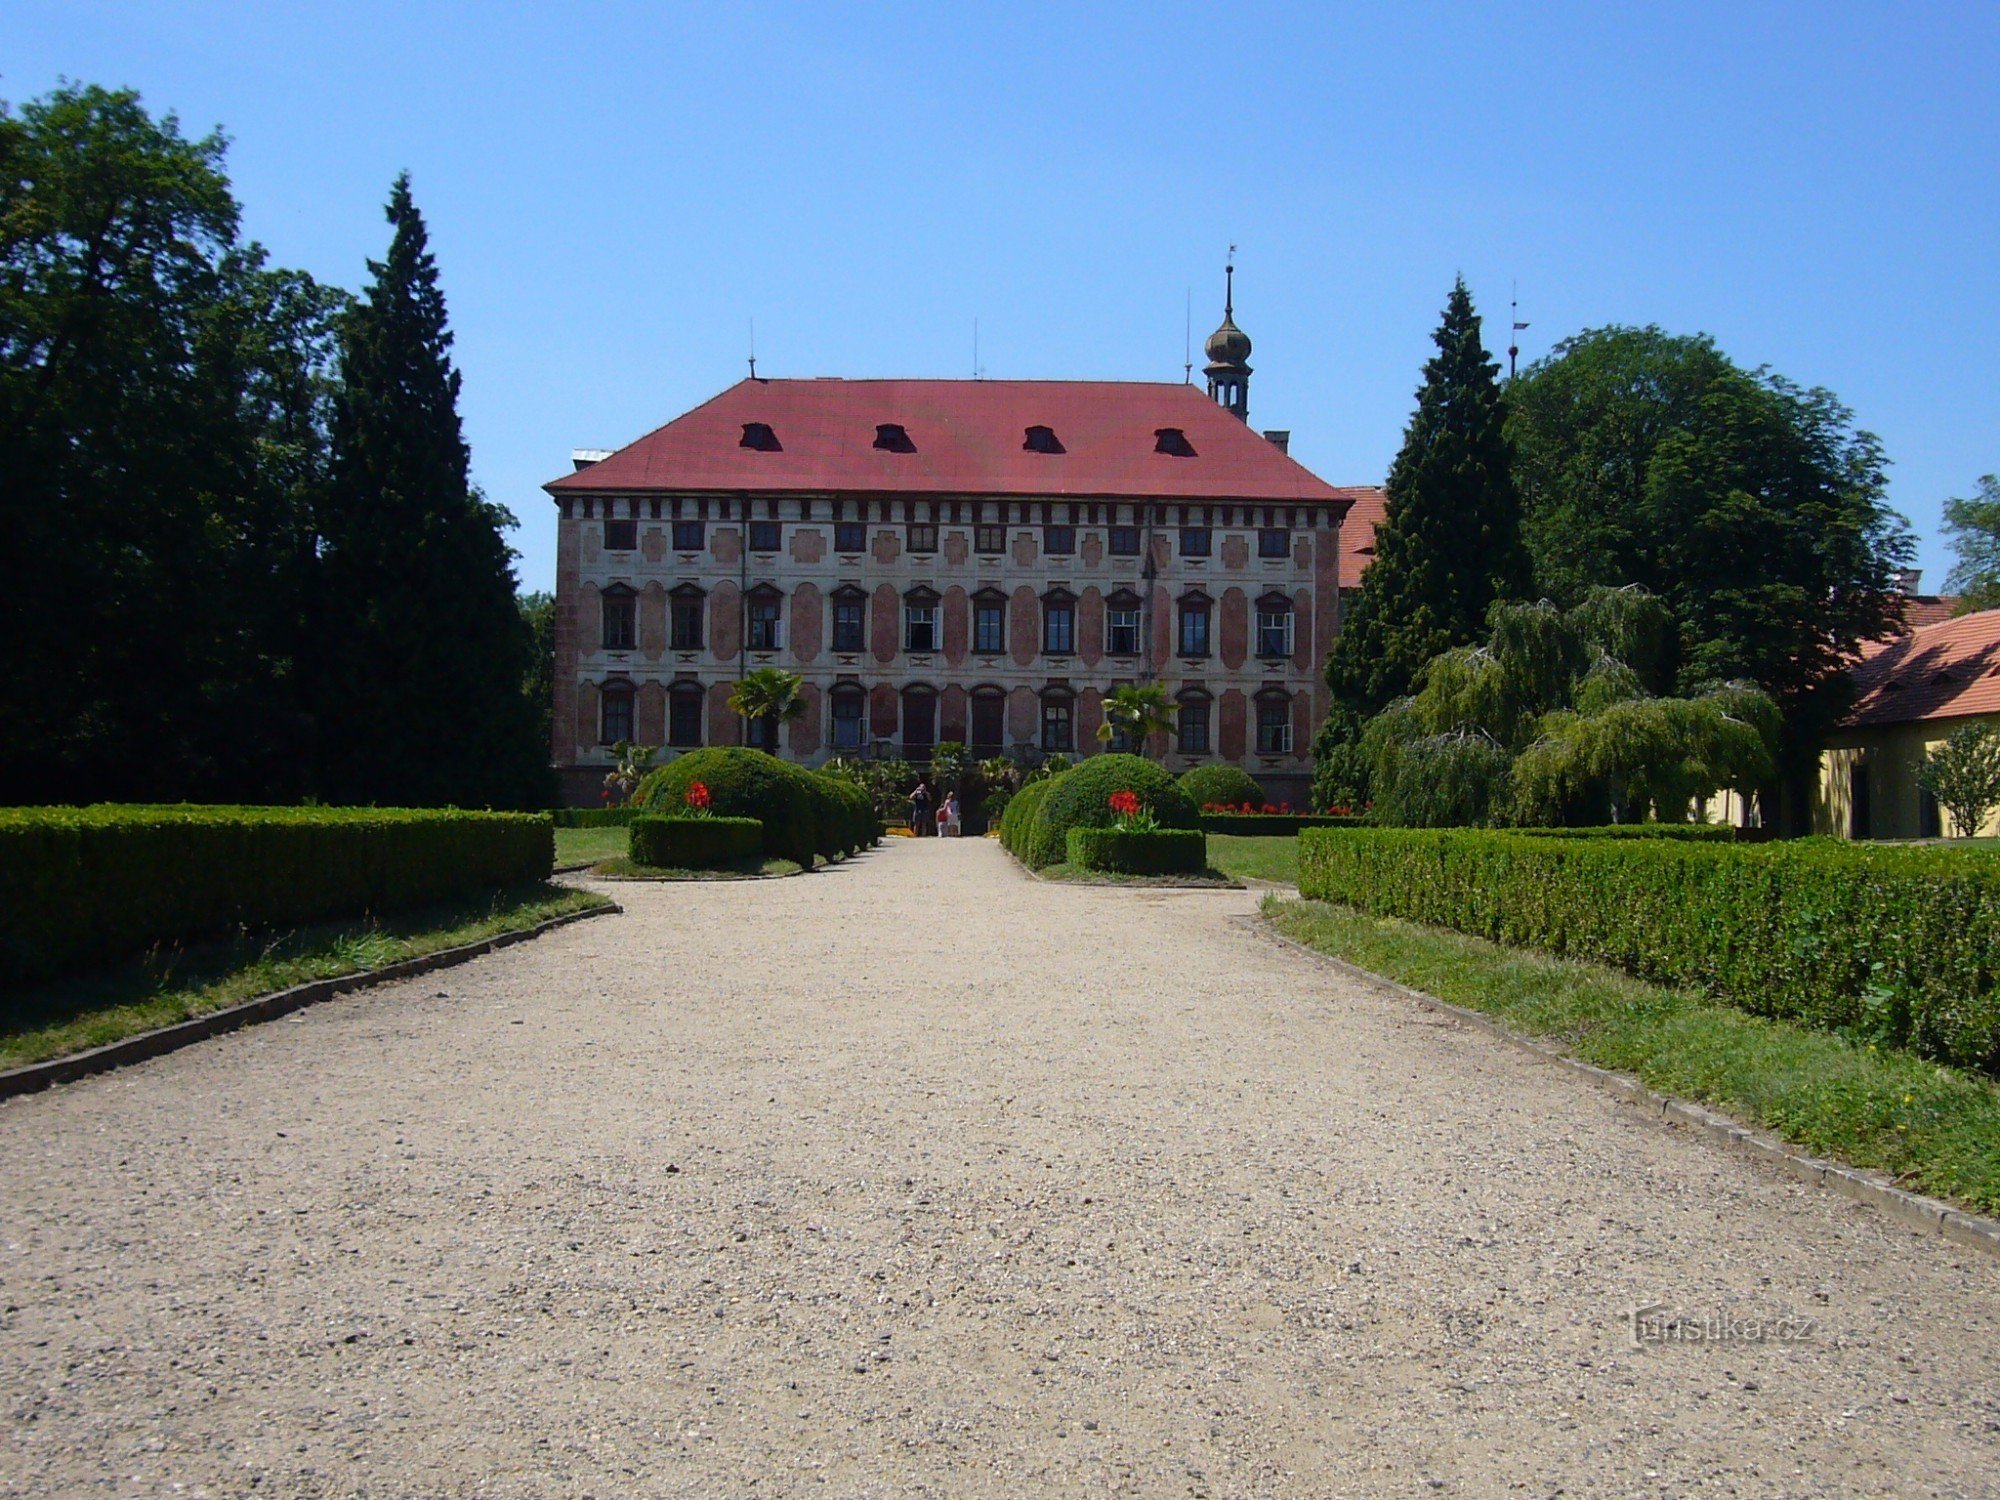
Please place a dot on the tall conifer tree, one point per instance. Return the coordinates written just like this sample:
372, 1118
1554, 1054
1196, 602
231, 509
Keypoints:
423, 647
1450, 544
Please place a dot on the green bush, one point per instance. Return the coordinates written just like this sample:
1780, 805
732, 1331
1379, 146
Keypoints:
79, 886
802, 813
1019, 816
1275, 825
1229, 786
594, 817
1162, 851
1699, 833
1899, 946
695, 843
855, 818
1081, 798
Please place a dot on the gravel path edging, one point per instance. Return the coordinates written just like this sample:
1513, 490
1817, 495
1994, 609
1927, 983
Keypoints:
34, 1077
1876, 1189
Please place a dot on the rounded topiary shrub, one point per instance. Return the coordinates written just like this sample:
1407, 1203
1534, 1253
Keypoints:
854, 814
798, 809
695, 843
1230, 786
1081, 798
1019, 815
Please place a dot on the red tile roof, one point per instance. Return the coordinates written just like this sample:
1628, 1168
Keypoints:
1920, 610
1357, 533
967, 438
1945, 671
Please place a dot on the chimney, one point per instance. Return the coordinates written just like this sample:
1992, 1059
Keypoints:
1908, 580
583, 458
1279, 438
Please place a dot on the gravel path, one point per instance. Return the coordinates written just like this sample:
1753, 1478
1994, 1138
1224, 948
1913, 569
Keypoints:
919, 1177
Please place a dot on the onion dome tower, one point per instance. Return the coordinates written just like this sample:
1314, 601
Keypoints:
1228, 350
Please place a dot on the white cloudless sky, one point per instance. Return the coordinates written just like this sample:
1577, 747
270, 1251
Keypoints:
616, 191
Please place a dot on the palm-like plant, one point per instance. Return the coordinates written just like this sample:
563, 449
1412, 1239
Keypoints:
768, 693
1138, 713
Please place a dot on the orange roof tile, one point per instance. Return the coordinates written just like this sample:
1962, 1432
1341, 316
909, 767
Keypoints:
1949, 670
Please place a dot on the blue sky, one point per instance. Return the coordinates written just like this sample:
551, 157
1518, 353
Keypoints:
615, 192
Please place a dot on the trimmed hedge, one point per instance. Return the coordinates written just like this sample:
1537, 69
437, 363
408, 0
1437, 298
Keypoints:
1695, 833
804, 814
1164, 851
1019, 815
1081, 798
594, 817
1276, 825
83, 886
693, 843
1220, 782
1892, 945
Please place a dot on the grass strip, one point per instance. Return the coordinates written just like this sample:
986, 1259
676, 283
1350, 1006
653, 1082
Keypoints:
741, 869
170, 984
1209, 879
1935, 1128
587, 846
1252, 856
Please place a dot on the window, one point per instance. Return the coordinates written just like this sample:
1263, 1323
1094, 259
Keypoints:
1194, 626
850, 725
615, 713
1192, 728
850, 610
1194, 541
767, 620
919, 722
989, 713
759, 435
1274, 626
766, 536
621, 536
684, 715
920, 621
1058, 725
685, 618
1042, 440
989, 624
1274, 725
762, 734
850, 536
989, 539
1058, 625
1121, 620
621, 618
1124, 541
1059, 541
891, 438
923, 537
1172, 440
688, 536
1272, 542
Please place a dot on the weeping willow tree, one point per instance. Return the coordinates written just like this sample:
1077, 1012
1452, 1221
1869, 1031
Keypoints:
1553, 720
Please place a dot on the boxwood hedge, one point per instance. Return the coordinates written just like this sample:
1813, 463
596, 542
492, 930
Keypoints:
84, 885
1896, 945
1019, 815
1218, 782
1081, 798
1699, 833
804, 814
1163, 851
1276, 825
694, 843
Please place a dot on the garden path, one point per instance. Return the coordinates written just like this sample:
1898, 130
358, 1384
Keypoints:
919, 1176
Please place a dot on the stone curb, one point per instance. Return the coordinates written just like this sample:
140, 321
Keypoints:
1876, 1189
148, 1044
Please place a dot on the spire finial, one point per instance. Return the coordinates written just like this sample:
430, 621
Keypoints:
1229, 285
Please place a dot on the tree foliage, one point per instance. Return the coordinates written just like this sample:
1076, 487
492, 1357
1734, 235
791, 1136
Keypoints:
1963, 774
1973, 527
1448, 547
1752, 506
1134, 715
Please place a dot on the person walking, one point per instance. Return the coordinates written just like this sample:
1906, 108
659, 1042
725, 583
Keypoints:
920, 804
949, 812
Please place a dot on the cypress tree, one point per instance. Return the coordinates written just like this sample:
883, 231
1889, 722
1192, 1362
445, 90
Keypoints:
423, 650
1449, 546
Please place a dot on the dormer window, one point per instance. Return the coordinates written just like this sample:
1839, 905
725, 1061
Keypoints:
1043, 440
1172, 440
891, 438
758, 435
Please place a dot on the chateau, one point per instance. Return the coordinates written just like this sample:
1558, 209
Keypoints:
965, 560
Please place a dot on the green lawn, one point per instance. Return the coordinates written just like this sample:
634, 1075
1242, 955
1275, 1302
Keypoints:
1256, 857
170, 985
1935, 1128
741, 869
581, 846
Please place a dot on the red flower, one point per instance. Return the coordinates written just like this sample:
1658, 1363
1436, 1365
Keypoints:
1125, 803
697, 794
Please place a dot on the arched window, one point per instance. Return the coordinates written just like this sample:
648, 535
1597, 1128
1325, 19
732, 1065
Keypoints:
920, 705
1191, 727
767, 618
1274, 626
1058, 721
920, 621
684, 703
989, 720
848, 714
1195, 611
621, 618
685, 604
1274, 722
614, 712
1058, 623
